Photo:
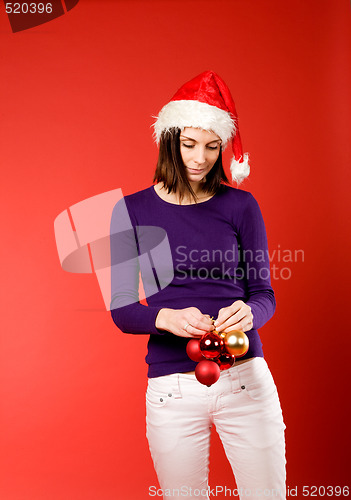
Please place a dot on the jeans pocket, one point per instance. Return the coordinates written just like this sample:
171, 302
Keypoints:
156, 399
256, 379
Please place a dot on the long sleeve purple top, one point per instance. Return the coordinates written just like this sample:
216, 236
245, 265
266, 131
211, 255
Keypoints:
219, 254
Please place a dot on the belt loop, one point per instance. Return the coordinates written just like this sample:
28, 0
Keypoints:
234, 373
176, 392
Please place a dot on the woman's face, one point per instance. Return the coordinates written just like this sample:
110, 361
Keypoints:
200, 150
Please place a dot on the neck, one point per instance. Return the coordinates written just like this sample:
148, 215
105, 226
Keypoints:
174, 197
196, 187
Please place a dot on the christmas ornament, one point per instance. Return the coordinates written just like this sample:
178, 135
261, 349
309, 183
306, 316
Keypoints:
236, 342
211, 345
225, 360
215, 352
207, 372
193, 350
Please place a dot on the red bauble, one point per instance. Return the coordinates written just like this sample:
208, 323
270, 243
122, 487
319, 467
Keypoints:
207, 372
211, 345
193, 350
225, 361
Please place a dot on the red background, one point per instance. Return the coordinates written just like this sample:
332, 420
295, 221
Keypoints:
77, 98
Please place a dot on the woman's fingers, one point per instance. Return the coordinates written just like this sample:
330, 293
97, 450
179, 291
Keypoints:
192, 323
244, 325
238, 316
194, 332
227, 313
199, 324
195, 323
201, 321
236, 321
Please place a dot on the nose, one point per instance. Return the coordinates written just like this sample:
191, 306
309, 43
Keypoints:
200, 155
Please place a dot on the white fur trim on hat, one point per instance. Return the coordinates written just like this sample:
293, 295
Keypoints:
188, 113
240, 169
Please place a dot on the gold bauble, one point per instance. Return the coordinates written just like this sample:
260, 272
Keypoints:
236, 342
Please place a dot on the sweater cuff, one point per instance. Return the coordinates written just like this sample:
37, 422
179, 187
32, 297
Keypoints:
137, 318
153, 315
261, 313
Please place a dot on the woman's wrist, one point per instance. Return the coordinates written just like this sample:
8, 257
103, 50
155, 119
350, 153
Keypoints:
162, 318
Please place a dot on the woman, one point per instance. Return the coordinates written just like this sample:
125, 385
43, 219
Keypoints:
220, 265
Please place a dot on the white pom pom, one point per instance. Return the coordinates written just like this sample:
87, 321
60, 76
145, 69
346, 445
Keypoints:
240, 169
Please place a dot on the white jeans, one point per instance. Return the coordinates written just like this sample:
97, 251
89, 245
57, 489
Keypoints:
244, 406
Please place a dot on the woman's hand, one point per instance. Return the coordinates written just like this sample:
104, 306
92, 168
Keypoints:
238, 316
188, 322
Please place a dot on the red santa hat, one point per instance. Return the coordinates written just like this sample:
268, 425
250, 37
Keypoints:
205, 102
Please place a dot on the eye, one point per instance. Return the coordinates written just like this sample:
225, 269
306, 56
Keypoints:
212, 148
189, 146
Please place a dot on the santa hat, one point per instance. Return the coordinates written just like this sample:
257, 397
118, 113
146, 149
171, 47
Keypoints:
205, 102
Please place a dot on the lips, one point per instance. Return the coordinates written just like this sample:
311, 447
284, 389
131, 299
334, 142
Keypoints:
195, 171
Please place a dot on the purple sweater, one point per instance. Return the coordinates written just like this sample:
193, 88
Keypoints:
219, 254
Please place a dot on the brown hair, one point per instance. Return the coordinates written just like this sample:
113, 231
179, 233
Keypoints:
171, 171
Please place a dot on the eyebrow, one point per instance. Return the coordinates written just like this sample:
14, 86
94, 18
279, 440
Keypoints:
191, 139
